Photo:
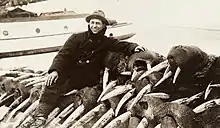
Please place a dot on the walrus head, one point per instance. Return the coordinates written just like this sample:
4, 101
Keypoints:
187, 59
144, 58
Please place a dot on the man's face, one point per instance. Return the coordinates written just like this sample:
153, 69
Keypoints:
96, 25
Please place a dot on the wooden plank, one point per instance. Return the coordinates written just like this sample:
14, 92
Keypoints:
29, 52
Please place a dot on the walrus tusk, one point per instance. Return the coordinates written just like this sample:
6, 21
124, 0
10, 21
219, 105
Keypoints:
27, 75
88, 116
66, 111
6, 99
52, 116
104, 119
11, 107
166, 70
38, 80
144, 90
134, 74
209, 89
62, 115
3, 96
158, 126
29, 110
163, 79
156, 68
180, 101
159, 95
73, 116
126, 73
23, 104
23, 77
74, 91
119, 120
15, 103
188, 100
117, 91
105, 78
26, 81
148, 66
178, 70
143, 123
109, 86
39, 85
127, 96
215, 85
206, 105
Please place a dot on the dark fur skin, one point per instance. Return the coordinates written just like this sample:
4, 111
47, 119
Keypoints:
198, 69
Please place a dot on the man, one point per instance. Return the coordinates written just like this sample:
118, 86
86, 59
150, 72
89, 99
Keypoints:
78, 63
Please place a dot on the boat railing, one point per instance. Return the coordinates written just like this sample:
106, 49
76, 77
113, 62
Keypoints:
49, 49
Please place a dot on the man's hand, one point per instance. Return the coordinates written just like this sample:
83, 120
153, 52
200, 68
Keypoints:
52, 78
139, 49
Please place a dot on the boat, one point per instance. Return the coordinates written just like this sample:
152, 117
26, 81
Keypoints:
23, 33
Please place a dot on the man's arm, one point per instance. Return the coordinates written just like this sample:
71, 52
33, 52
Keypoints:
124, 46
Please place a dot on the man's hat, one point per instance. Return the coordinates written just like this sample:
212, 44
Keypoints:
98, 14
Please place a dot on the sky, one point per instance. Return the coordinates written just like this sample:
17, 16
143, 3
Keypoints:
199, 13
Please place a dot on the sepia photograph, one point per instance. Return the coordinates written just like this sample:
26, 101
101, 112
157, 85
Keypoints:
109, 64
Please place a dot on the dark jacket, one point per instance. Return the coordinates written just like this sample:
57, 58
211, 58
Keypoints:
81, 57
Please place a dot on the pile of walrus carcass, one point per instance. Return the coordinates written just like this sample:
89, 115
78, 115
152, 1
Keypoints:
144, 90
